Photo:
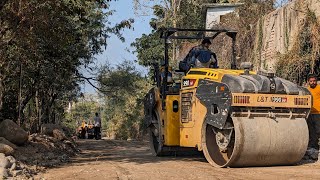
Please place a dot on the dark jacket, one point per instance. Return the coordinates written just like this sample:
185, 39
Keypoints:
199, 53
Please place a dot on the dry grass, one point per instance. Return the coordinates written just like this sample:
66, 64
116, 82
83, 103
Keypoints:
303, 58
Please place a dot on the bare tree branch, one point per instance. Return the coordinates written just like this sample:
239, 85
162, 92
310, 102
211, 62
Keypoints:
88, 79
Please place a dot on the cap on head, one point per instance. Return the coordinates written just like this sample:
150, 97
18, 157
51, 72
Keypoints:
206, 41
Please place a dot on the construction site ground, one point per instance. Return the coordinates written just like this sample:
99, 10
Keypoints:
114, 159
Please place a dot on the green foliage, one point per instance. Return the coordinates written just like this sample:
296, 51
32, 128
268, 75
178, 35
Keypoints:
124, 89
191, 14
43, 44
168, 13
182, 14
83, 110
149, 49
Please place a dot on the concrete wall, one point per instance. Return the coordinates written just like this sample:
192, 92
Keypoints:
278, 31
214, 13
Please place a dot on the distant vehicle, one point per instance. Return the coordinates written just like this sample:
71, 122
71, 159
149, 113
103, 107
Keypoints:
86, 130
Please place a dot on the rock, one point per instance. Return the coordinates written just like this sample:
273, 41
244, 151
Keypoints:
70, 143
312, 153
13, 163
64, 158
5, 141
5, 149
47, 129
50, 163
52, 145
13, 167
4, 162
74, 138
31, 138
67, 142
13, 133
50, 156
52, 139
59, 134
23, 158
38, 139
11, 159
16, 173
22, 166
3, 173
305, 157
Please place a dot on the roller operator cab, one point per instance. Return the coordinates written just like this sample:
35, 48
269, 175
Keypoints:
237, 118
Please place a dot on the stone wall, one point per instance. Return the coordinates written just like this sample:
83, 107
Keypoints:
278, 31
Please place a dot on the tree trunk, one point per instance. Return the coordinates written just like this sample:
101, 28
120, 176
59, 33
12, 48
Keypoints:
38, 111
1, 93
19, 97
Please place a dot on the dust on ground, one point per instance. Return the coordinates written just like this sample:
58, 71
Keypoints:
113, 159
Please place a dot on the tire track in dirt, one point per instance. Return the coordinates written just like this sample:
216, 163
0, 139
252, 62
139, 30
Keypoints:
111, 159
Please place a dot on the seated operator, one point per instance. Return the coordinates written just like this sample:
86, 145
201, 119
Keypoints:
199, 56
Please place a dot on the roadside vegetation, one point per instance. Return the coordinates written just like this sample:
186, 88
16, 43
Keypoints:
45, 44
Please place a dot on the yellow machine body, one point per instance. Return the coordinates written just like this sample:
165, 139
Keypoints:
188, 133
183, 121
171, 125
235, 117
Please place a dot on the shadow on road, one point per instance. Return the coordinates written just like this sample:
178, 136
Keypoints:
124, 151
136, 152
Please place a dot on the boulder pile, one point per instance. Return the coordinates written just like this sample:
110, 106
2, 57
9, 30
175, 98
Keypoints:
22, 156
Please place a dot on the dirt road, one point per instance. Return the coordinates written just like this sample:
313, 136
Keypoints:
110, 159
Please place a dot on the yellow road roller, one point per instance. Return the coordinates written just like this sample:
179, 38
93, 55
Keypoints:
236, 117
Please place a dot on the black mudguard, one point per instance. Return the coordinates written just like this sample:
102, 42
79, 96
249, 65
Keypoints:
217, 98
149, 105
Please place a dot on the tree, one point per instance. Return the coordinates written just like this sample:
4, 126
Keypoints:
43, 44
123, 89
82, 110
168, 13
